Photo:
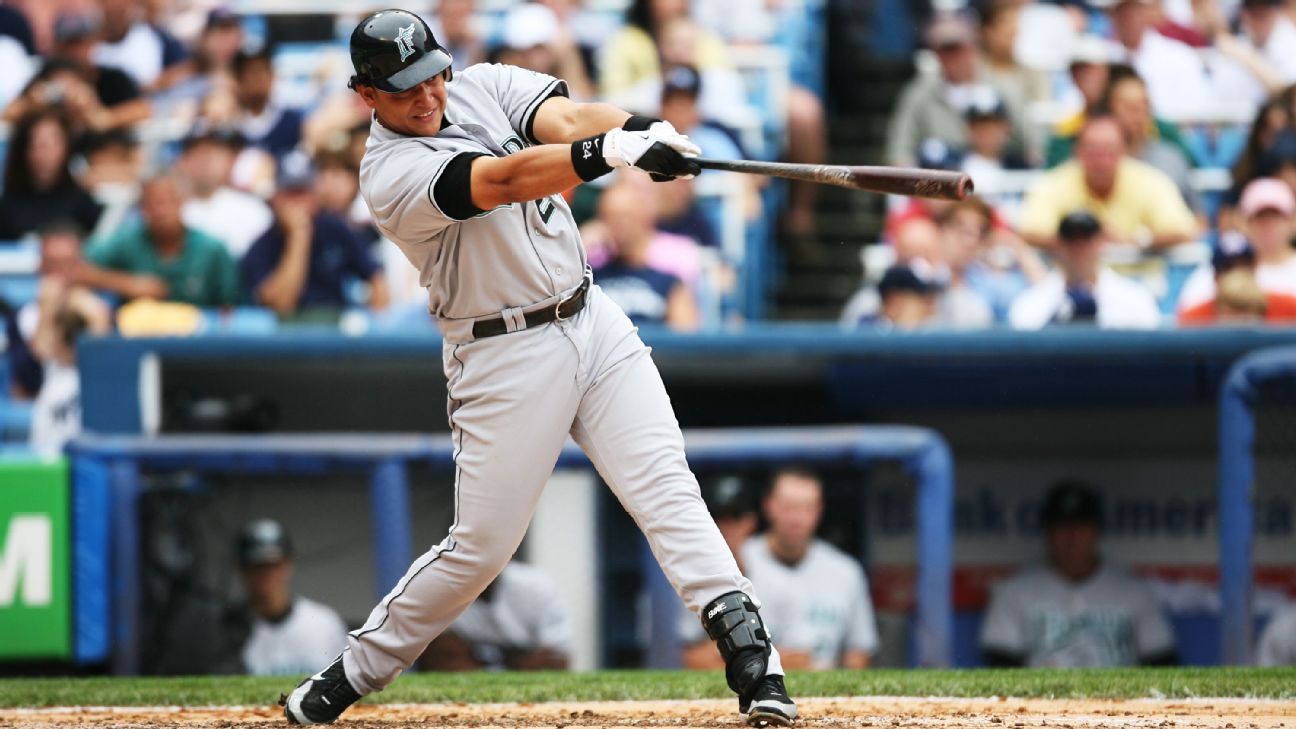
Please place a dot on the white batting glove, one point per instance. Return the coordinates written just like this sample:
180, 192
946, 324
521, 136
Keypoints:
668, 135
649, 152
623, 149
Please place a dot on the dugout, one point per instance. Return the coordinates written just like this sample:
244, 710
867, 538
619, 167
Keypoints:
1134, 412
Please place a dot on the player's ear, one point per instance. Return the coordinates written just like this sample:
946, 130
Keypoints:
367, 93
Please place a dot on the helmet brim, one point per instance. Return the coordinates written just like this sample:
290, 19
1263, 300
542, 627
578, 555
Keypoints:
431, 64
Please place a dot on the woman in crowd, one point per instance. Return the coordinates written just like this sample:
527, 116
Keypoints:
38, 184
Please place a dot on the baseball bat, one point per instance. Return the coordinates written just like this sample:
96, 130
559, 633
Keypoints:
890, 180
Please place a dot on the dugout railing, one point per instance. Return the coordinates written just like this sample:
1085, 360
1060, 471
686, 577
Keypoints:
1267, 374
107, 484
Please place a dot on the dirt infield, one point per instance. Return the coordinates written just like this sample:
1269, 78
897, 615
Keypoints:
878, 712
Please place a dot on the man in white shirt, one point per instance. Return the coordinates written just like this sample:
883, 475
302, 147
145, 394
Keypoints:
518, 622
233, 217
1268, 205
1083, 289
1261, 61
1076, 611
1176, 76
816, 597
1277, 645
130, 43
290, 634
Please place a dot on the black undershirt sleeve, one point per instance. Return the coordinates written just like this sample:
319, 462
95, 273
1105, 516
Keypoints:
452, 191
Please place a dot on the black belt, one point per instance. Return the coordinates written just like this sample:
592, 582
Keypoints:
565, 309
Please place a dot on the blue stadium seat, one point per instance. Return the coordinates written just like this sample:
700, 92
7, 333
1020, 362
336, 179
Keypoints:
18, 290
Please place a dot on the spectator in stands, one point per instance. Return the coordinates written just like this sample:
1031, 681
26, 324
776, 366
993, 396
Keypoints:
233, 217
1238, 297
681, 87
1263, 55
1277, 646
976, 295
1126, 99
290, 633
262, 122
1176, 77
112, 158
17, 55
131, 44
65, 311
815, 596
60, 267
95, 97
1078, 611
1135, 202
1083, 290
456, 28
517, 623
337, 192
934, 106
1090, 71
534, 40
582, 29
1272, 119
999, 29
659, 34
210, 69
630, 62
987, 156
38, 183
1268, 206
162, 258
303, 263
908, 295
647, 293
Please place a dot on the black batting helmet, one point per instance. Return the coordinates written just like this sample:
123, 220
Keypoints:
393, 50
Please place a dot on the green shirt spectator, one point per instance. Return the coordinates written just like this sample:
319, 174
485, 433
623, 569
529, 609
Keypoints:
201, 273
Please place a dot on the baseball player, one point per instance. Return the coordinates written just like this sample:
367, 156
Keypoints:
463, 172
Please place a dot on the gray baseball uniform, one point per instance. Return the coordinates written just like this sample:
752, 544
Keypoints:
515, 398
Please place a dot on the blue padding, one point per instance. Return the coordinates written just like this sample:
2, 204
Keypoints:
19, 289
923, 452
390, 509
1242, 389
90, 554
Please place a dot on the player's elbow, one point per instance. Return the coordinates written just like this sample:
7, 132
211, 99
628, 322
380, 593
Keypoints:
494, 182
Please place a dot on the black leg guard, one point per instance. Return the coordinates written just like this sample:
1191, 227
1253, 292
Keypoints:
734, 624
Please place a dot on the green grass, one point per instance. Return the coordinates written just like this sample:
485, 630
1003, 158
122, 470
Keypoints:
1279, 683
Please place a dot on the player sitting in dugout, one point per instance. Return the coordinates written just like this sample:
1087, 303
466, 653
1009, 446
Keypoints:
517, 623
1077, 611
290, 633
816, 596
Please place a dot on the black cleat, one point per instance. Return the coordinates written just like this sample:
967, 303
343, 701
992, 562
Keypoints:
321, 698
768, 705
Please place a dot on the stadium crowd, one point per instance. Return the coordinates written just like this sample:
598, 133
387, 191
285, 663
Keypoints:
168, 166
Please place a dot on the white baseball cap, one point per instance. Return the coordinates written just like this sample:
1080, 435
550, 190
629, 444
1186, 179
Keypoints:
529, 25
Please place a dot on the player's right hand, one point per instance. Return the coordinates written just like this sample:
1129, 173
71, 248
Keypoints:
651, 151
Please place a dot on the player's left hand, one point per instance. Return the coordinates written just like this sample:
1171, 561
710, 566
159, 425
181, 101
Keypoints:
649, 151
670, 136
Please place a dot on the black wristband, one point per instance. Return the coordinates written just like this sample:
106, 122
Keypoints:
639, 123
587, 158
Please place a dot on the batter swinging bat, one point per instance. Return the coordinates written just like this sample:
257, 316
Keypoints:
891, 180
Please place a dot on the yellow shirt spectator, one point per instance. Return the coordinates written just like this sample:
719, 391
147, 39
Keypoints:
1143, 202
631, 57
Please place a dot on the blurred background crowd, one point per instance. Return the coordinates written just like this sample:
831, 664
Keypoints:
185, 166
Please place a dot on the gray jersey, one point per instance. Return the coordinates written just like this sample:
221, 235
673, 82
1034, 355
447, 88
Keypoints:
1111, 619
820, 605
515, 256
